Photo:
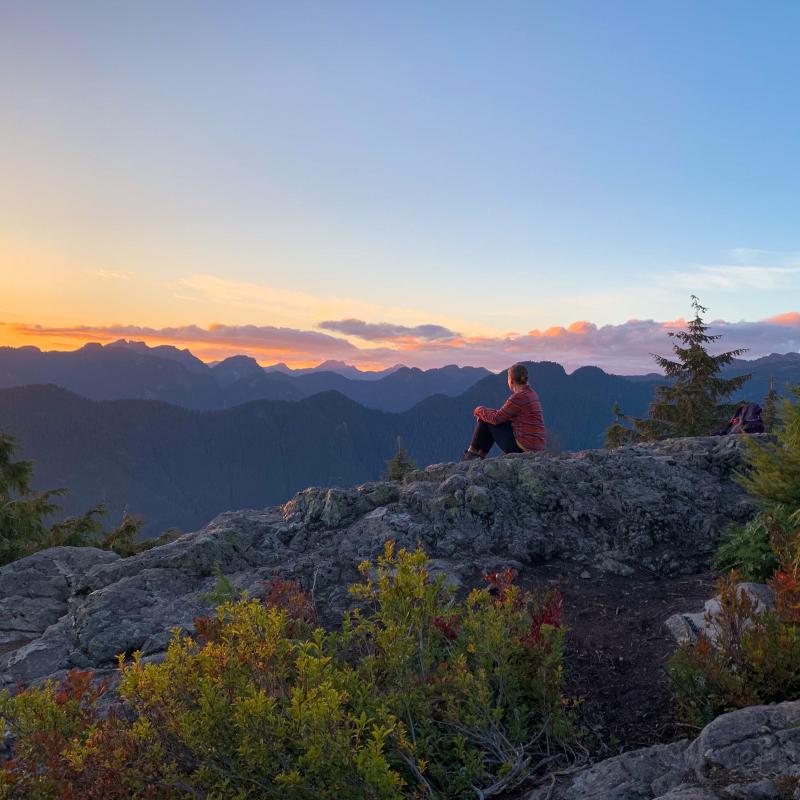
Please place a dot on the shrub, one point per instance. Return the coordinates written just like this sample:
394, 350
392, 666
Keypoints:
478, 685
753, 657
775, 476
65, 751
748, 548
416, 695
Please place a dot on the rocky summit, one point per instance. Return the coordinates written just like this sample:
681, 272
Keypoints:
657, 508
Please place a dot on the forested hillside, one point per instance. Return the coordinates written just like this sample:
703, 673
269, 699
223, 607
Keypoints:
180, 467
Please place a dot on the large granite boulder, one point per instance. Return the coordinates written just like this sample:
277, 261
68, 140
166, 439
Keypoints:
658, 508
751, 754
35, 591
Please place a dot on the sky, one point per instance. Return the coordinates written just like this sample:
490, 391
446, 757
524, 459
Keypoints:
416, 182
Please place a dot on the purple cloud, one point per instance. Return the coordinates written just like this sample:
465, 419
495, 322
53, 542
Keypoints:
387, 332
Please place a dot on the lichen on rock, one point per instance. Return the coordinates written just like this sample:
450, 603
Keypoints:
659, 508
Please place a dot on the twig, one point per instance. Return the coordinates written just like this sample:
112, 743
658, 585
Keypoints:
409, 761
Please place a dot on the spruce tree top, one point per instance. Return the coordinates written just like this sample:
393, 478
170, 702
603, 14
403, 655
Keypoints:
692, 403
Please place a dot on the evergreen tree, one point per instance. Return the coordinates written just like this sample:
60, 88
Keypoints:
775, 477
692, 402
122, 540
82, 531
22, 512
620, 431
769, 413
23, 515
400, 464
15, 476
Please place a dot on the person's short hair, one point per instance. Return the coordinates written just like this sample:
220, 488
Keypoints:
518, 373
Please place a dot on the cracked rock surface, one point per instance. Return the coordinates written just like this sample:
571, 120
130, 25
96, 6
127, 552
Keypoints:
654, 509
657, 507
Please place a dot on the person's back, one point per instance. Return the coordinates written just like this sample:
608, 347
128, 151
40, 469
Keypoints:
528, 423
517, 427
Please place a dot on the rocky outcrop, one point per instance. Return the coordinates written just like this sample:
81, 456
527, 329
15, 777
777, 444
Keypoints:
751, 754
657, 508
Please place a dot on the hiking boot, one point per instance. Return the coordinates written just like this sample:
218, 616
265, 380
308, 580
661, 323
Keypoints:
470, 456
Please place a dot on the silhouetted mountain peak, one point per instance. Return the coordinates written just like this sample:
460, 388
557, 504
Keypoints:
235, 368
166, 351
279, 367
545, 370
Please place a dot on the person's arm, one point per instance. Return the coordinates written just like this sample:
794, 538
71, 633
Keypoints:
493, 416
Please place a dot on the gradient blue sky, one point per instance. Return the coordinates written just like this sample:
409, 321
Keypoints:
487, 167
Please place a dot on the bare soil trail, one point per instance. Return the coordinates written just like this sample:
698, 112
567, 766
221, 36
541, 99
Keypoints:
617, 649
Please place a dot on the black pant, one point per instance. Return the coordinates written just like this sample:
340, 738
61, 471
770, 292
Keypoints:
485, 435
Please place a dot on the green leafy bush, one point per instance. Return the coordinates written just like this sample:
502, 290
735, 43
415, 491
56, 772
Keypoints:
775, 475
416, 695
477, 685
748, 548
755, 655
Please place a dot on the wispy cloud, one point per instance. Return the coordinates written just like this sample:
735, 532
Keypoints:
754, 255
301, 309
734, 277
387, 332
110, 274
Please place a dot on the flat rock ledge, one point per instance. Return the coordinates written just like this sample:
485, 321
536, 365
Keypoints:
658, 508
751, 754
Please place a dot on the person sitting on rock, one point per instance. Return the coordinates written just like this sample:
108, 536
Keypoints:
517, 427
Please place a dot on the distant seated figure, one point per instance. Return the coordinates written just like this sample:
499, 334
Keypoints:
517, 427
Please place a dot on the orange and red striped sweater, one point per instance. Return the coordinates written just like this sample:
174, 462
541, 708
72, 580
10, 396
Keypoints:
524, 411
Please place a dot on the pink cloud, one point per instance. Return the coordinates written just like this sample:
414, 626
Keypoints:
791, 318
624, 348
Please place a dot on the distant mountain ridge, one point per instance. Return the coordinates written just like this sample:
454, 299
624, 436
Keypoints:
179, 466
132, 370
339, 367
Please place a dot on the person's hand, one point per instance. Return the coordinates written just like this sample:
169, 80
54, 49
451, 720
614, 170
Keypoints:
477, 411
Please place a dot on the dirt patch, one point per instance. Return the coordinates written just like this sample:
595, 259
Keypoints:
617, 652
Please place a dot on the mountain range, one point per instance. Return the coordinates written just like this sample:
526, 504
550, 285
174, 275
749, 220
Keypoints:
213, 447
179, 467
132, 370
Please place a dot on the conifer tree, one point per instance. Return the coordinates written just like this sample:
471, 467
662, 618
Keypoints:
22, 512
620, 431
400, 464
23, 516
769, 414
692, 402
775, 477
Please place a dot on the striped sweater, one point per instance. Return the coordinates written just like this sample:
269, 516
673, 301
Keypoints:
524, 411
